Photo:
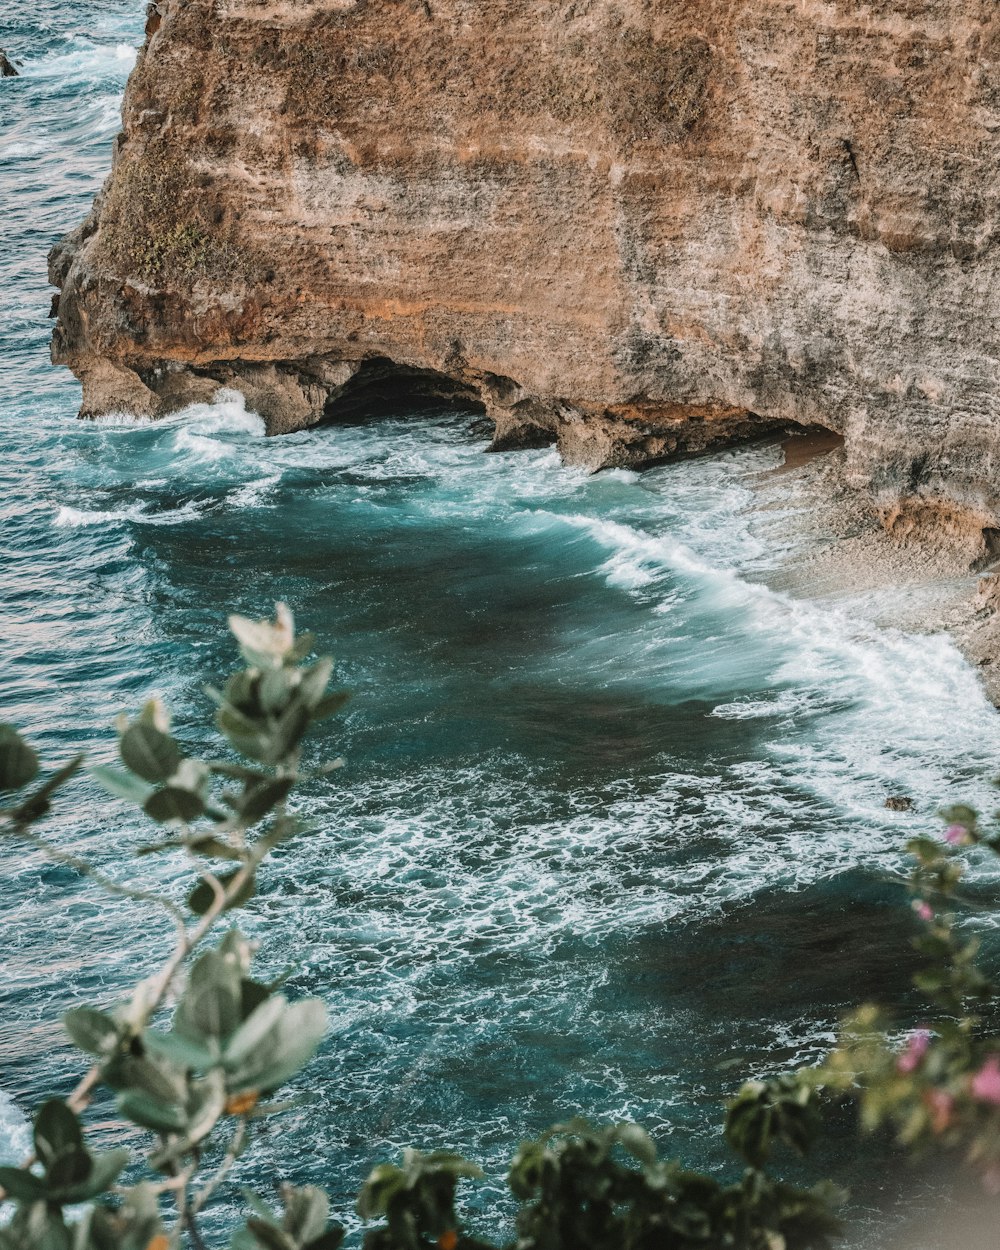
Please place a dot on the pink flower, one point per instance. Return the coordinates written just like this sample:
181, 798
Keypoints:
924, 910
941, 1106
913, 1055
986, 1083
957, 835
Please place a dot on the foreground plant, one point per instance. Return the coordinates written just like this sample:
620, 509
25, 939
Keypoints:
199, 1082
197, 1054
940, 1089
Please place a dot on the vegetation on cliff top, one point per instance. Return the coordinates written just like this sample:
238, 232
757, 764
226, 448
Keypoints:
158, 225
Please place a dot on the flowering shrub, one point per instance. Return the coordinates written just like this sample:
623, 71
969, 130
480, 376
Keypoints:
941, 1087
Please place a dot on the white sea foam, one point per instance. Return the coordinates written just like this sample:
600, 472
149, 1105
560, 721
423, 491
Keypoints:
198, 446
783, 703
226, 414
88, 62
15, 1132
137, 514
27, 147
123, 420
108, 113
889, 711
253, 494
200, 435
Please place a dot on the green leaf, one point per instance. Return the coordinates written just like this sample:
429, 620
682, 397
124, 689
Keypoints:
206, 1105
128, 1071
210, 1007
124, 785
56, 1130
638, 1143
69, 1169
251, 1036
303, 645
172, 804
18, 762
960, 814
330, 705
38, 1227
269, 1237
212, 848
182, 1052
193, 775
238, 772
37, 803
149, 753
314, 682
289, 1046
260, 1207
149, 1112
105, 1171
243, 733
306, 1212
274, 690
257, 801
93, 1031
289, 731
202, 897
236, 946
132, 1226
265, 645
332, 1239
253, 994
241, 691
22, 1185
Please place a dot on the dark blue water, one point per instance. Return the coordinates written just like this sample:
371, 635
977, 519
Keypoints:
611, 834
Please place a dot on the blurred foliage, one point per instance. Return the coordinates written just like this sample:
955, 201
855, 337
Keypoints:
938, 1087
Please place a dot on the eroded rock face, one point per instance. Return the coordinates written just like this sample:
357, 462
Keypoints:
636, 226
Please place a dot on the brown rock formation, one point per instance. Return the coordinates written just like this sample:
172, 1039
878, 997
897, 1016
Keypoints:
636, 226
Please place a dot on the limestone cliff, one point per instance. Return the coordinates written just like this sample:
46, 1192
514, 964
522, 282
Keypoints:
634, 226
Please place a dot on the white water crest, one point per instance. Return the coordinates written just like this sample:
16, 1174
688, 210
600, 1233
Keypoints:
15, 1133
136, 514
84, 63
887, 711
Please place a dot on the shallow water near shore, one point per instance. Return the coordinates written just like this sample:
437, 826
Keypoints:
611, 837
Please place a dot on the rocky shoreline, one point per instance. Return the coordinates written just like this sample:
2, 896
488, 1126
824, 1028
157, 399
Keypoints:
920, 583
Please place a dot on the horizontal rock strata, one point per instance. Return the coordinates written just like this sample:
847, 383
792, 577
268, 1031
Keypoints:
636, 228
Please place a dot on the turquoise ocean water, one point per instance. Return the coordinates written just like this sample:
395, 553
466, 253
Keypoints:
611, 836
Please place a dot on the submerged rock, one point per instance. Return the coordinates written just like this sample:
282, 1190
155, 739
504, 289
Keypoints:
7, 69
637, 230
899, 803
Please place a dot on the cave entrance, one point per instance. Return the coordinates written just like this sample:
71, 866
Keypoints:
991, 550
802, 444
381, 387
